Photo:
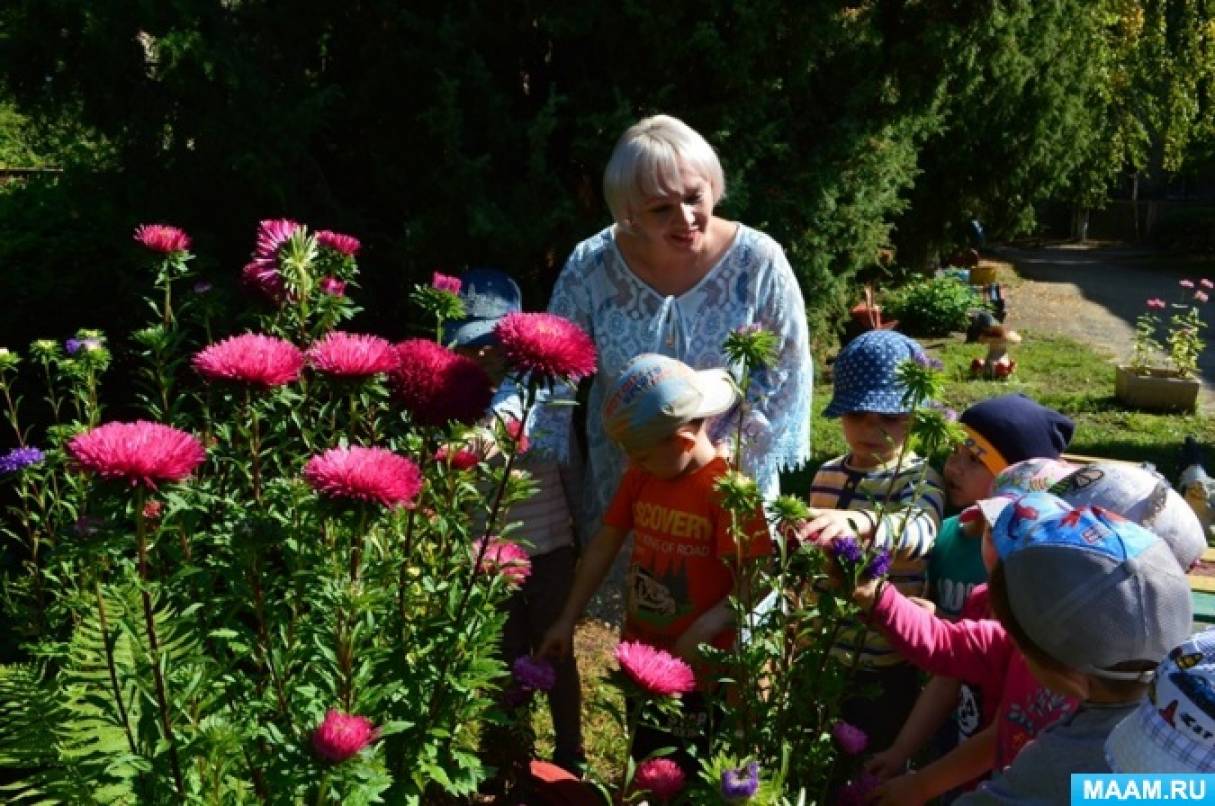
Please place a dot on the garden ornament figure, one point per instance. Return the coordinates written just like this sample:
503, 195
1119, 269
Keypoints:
997, 364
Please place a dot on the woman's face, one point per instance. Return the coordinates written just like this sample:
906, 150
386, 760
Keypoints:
679, 220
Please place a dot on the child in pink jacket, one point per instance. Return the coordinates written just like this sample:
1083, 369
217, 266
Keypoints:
978, 650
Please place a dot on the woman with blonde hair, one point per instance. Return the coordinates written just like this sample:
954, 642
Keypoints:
669, 276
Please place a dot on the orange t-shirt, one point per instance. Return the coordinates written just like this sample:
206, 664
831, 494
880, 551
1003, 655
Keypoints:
682, 551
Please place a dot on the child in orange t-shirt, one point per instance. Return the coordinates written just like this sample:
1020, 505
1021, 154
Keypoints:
683, 565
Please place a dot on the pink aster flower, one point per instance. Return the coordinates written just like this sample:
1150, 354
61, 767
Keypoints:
546, 344
261, 275
460, 459
153, 510
851, 739
346, 244
272, 234
1207, 284
655, 670
536, 674
661, 777
1156, 302
445, 282
514, 430
365, 474
333, 287
141, 452
250, 358
504, 557
342, 735
162, 238
436, 384
352, 355
1201, 296
1186, 283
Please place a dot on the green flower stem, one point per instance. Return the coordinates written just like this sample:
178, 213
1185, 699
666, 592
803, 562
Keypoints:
162, 699
11, 412
112, 668
54, 400
255, 445
168, 304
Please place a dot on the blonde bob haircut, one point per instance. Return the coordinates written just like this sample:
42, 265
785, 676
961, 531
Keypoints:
645, 163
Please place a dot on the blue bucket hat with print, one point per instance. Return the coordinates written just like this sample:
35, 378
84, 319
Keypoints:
1091, 588
488, 295
866, 374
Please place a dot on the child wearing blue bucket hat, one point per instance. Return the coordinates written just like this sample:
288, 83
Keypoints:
875, 493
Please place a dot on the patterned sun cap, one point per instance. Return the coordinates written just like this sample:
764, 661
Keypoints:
1173, 730
1141, 495
1089, 587
1014, 481
865, 374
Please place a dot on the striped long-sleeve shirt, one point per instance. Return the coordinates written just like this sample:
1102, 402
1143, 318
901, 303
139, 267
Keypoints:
904, 502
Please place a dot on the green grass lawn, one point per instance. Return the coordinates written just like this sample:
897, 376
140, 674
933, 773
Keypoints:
1057, 372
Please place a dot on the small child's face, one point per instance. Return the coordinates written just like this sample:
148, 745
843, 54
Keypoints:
988, 550
489, 357
966, 478
872, 438
667, 458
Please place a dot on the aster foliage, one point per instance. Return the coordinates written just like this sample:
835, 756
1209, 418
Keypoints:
284, 582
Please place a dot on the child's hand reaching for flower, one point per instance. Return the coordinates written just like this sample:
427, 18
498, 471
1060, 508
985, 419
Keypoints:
828, 524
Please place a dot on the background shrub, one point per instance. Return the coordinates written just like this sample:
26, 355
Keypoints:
935, 307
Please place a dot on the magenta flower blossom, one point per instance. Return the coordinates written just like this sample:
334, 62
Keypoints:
460, 459
851, 739
261, 273
445, 282
1156, 303
536, 674
250, 358
272, 234
518, 435
655, 670
162, 238
365, 474
1186, 283
346, 244
141, 452
1201, 296
737, 786
505, 558
342, 735
1207, 284
546, 344
333, 287
153, 510
436, 384
352, 355
661, 777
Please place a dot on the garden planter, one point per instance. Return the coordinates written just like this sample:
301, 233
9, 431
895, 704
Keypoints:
1157, 390
982, 275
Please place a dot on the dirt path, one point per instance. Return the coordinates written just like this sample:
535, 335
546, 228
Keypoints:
1093, 294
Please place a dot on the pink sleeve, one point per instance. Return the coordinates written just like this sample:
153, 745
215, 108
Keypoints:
969, 650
